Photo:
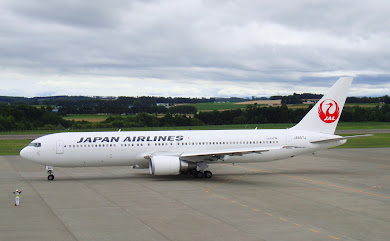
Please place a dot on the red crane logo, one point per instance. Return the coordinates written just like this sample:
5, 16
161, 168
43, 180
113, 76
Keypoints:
329, 111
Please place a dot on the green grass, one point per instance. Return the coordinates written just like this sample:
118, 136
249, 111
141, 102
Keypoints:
218, 106
90, 118
12, 147
363, 104
39, 106
362, 125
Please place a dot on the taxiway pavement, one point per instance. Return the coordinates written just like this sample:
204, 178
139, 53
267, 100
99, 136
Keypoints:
337, 194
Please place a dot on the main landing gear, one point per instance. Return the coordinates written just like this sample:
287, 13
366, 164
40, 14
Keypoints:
205, 174
201, 173
50, 172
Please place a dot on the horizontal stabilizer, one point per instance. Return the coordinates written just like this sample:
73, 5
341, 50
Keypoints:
340, 138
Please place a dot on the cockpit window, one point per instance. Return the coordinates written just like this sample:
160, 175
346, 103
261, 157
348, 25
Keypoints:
35, 144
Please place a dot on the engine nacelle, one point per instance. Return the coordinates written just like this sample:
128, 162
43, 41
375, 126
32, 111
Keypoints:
169, 165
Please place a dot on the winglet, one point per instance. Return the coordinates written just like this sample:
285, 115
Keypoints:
325, 115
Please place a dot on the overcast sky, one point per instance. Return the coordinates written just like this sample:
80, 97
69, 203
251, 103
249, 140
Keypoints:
192, 48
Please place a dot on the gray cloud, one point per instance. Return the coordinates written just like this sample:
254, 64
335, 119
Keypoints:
192, 48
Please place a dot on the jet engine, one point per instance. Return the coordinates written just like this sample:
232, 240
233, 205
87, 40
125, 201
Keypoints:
169, 165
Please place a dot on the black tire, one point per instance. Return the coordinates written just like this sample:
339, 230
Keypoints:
198, 174
208, 174
50, 177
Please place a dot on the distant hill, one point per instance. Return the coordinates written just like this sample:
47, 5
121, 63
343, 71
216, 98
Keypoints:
153, 100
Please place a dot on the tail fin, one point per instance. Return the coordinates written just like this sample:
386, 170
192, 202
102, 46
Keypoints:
325, 115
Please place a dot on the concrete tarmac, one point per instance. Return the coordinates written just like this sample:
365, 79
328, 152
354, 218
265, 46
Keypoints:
337, 194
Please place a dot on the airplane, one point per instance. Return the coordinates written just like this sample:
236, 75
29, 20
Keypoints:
190, 151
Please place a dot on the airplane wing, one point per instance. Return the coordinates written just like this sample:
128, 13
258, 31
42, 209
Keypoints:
340, 138
230, 152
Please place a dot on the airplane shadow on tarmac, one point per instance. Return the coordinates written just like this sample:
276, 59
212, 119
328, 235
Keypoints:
231, 178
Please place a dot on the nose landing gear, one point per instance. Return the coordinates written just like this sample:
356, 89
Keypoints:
50, 172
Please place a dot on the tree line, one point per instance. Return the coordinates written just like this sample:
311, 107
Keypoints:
26, 117
149, 104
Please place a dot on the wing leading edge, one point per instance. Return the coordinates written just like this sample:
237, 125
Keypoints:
230, 152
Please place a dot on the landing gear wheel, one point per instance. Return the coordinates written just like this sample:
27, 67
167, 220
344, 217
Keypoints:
208, 174
198, 174
50, 172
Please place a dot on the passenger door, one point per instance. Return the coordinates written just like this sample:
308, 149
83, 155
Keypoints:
60, 147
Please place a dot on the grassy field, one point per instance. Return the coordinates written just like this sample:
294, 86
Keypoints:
362, 125
89, 118
39, 106
12, 147
372, 105
218, 106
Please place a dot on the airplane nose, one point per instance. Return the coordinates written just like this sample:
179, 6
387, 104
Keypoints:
22, 152
25, 153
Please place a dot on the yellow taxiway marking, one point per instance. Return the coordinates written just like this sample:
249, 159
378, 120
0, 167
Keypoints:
269, 214
244, 205
257, 210
314, 230
332, 237
379, 186
298, 225
283, 219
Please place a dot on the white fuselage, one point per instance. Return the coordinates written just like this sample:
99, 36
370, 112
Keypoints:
175, 152
95, 149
